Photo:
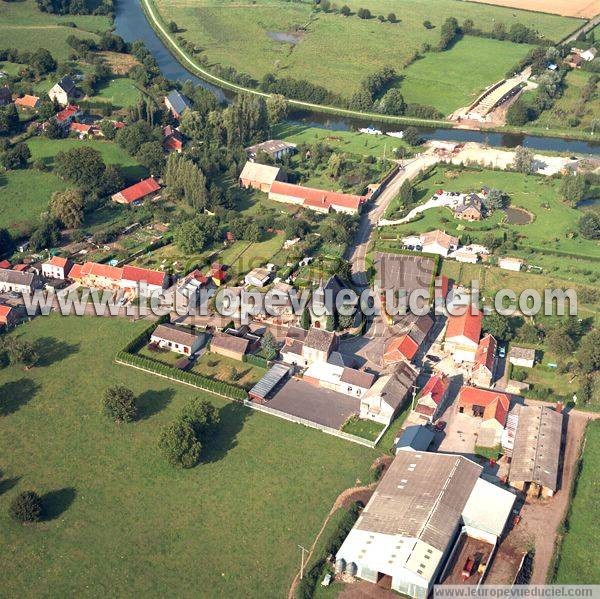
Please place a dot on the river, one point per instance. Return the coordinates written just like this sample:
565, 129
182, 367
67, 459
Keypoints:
131, 25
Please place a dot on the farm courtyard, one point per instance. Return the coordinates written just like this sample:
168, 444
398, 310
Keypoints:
292, 40
232, 524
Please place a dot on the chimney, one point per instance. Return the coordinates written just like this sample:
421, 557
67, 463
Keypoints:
559, 406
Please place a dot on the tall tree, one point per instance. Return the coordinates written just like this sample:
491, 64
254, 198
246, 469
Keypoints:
67, 207
523, 161
82, 166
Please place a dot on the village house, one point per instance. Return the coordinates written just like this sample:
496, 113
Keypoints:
316, 199
57, 268
589, 54
536, 451
18, 281
317, 346
66, 116
172, 139
293, 346
389, 392
64, 91
230, 346
177, 103
470, 209
491, 406
81, 130
423, 507
521, 356
341, 379
134, 276
462, 334
135, 194
177, 339
275, 148
411, 337
415, 437
258, 277
8, 316
438, 242
97, 276
430, 401
260, 176
217, 274
482, 374
514, 264
28, 102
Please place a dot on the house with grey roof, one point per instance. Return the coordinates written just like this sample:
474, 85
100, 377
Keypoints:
275, 148
177, 103
18, 281
177, 339
64, 91
318, 344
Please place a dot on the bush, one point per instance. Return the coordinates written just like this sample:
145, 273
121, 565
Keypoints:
119, 404
26, 507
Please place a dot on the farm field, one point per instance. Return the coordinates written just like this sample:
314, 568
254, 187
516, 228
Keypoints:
110, 492
248, 36
569, 8
577, 563
570, 105
24, 196
23, 26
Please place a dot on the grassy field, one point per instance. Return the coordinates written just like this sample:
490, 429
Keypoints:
220, 367
122, 522
569, 104
363, 428
24, 196
452, 79
553, 226
120, 92
578, 563
325, 52
25, 27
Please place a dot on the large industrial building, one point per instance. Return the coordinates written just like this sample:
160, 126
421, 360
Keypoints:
422, 506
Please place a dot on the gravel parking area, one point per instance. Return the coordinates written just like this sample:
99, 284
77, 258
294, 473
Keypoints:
318, 405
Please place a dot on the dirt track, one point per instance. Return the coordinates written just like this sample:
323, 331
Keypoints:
567, 8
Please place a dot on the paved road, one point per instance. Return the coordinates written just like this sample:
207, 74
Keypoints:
583, 29
369, 219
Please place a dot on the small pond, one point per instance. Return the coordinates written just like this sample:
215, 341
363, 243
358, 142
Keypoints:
518, 216
286, 38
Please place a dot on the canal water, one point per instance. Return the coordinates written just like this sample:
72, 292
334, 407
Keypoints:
131, 25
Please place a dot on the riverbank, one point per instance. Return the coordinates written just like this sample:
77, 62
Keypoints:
187, 62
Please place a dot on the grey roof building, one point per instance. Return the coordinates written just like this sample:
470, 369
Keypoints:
177, 103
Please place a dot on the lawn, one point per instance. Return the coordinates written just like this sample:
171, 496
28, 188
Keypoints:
122, 522
220, 367
327, 49
367, 429
455, 78
120, 92
552, 227
46, 149
570, 103
25, 27
24, 196
578, 559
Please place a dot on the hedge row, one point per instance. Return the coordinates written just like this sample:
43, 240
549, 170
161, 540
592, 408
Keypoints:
192, 378
256, 360
142, 339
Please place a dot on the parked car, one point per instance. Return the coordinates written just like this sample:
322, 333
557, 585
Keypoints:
440, 425
433, 359
502, 351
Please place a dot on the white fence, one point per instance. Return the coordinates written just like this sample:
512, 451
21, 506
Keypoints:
311, 424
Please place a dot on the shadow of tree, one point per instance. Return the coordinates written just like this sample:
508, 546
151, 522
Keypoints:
6, 484
232, 418
57, 502
151, 402
15, 394
51, 350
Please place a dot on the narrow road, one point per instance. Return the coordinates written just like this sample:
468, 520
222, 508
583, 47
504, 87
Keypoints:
583, 29
368, 221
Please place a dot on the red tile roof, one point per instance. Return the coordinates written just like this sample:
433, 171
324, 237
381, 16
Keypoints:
75, 272
436, 387
400, 347
27, 101
21, 267
80, 127
172, 143
198, 276
495, 404
4, 264
102, 270
58, 261
139, 190
5, 310
486, 350
467, 325
442, 284
152, 277
317, 197
67, 113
